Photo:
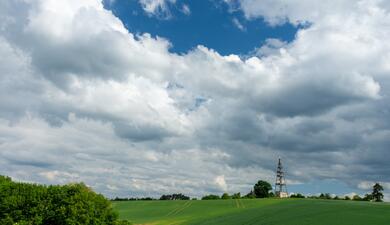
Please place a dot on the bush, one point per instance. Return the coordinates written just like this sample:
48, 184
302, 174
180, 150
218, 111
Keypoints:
210, 197
174, 197
251, 194
298, 195
357, 198
225, 196
236, 195
22, 203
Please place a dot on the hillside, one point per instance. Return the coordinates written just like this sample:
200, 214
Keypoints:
256, 211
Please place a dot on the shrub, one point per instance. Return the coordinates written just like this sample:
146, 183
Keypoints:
225, 196
22, 203
210, 197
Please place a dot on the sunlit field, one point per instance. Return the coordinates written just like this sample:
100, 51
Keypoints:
255, 211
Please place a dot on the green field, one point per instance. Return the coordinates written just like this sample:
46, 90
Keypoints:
255, 211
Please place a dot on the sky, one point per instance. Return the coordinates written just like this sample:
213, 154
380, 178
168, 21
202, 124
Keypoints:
151, 97
212, 23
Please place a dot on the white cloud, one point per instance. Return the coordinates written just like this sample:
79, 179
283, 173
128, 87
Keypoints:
220, 182
186, 9
365, 185
82, 97
368, 185
157, 7
296, 11
238, 24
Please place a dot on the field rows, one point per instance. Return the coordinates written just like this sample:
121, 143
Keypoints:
255, 211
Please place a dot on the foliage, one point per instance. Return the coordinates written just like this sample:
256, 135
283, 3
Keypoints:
325, 196
251, 194
367, 197
236, 195
298, 195
262, 189
210, 197
377, 194
33, 204
134, 199
179, 196
357, 198
225, 196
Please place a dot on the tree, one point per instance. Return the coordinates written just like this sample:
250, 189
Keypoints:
377, 194
261, 189
225, 196
236, 195
367, 197
211, 197
179, 196
356, 198
251, 194
298, 195
34, 204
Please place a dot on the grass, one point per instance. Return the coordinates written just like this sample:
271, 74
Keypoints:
255, 211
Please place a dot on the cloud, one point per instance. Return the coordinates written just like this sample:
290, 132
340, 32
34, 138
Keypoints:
158, 8
85, 100
186, 9
279, 11
238, 24
220, 181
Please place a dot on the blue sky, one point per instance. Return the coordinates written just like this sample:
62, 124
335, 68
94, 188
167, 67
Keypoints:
211, 23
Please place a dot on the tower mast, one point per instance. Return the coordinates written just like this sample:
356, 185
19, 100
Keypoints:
280, 183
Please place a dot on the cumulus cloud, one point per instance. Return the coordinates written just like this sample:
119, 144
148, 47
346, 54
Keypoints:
220, 182
85, 100
277, 12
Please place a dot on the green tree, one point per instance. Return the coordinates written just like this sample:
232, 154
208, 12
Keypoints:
71, 204
298, 195
225, 196
261, 189
251, 194
367, 197
211, 197
377, 194
356, 198
236, 195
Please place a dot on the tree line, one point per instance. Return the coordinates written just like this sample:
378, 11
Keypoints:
376, 195
70, 204
263, 189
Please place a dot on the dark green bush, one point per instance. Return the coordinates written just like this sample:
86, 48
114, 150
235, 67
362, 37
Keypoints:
71, 204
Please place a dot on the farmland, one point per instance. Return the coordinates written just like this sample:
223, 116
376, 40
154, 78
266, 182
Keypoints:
254, 211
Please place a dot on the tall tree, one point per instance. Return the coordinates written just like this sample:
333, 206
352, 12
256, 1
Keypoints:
262, 189
377, 194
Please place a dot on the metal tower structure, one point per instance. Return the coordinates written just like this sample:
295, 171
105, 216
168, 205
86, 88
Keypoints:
280, 184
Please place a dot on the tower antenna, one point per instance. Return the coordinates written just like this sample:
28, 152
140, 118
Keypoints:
280, 184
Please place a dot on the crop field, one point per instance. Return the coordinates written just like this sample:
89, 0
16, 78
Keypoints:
255, 211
